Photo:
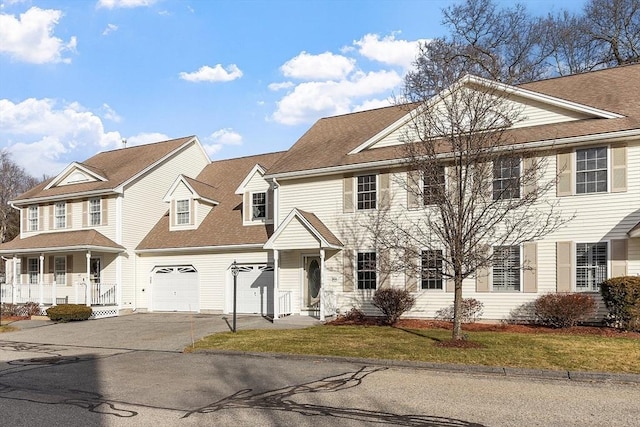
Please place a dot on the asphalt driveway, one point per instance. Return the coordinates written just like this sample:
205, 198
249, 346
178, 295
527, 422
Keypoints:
142, 331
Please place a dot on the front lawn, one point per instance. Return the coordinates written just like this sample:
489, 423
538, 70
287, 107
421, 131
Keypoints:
496, 348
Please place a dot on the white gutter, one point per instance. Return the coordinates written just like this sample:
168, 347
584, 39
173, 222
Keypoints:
578, 140
200, 248
65, 196
64, 249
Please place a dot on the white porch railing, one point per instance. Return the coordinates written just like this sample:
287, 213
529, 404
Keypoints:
47, 294
284, 303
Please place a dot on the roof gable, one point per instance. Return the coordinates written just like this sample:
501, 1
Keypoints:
302, 230
76, 173
256, 174
185, 187
532, 109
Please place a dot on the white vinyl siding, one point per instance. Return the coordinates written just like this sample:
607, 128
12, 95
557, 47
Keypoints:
296, 236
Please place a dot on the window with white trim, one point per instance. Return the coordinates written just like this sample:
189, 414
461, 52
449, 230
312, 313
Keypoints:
591, 170
591, 265
367, 192
60, 270
33, 270
259, 205
183, 215
433, 185
32, 218
366, 270
506, 178
506, 268
95, 211
60, 215
431, 269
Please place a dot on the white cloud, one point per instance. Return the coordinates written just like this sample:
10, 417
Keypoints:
110, 114
325, 66
110, 29
220, 138
388, 49
114, 4
144, 138
371, 104
29, 38
279, 86
310, 100
42, 134
213, 74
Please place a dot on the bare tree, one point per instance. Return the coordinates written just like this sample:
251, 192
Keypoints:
507, 45
605, 34
14, 180
472, 192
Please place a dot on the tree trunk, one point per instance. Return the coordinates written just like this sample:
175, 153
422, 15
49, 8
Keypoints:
457, 308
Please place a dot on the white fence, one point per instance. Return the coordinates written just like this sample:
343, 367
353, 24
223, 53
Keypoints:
284, 303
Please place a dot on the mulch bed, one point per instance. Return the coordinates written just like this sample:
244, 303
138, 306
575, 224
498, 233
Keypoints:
603, 331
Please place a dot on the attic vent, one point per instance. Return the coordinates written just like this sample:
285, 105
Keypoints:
77, 176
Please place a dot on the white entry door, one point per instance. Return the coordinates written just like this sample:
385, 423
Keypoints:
255, 289
175, 288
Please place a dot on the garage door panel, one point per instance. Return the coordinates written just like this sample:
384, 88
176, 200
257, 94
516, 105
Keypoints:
176, 289
255, 290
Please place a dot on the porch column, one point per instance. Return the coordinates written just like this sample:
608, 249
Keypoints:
322, 274
14, 286
41, 281
88, 284
276, 291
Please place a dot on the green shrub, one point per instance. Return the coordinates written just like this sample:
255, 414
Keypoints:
68, 312
564, 310
621, 295
472, 310
393, 302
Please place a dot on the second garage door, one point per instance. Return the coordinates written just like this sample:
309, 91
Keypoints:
175, 288
255, 289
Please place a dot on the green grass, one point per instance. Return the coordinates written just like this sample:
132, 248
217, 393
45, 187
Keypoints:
537, 351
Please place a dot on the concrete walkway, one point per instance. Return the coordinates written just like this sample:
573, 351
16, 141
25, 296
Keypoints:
143, 331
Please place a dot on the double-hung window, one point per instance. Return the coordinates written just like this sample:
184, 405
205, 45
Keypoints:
32, 218
60, 214
506, 178
506, 268
591, 170
366, 270
431, 269
60, 270
367, 190
95, 211
182, 212
259, 205
591, 265
433, 185
33, 270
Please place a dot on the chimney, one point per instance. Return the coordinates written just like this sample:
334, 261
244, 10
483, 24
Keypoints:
124, 143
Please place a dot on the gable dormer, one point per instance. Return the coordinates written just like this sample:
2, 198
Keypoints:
257, 198
189, 203
76, 173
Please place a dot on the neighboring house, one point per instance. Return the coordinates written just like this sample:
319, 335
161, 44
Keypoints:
292, 220
79, 229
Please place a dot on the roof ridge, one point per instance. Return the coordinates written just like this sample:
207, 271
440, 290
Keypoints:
616, 67
147, 145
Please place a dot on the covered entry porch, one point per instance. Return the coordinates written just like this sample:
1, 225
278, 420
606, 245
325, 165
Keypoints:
78, 267
301, 246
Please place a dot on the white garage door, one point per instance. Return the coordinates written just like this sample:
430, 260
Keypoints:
175, 288
255, 289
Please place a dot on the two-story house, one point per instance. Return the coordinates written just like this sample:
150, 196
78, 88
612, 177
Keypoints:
79, 229
289, 224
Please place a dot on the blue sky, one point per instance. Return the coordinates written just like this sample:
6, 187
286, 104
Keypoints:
246, 77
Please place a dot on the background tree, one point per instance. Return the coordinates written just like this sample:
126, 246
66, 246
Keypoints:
14, 180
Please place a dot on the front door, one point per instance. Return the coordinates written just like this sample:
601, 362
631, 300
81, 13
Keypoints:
312, 282
94, 270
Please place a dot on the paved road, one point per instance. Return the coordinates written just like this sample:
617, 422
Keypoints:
71, 385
